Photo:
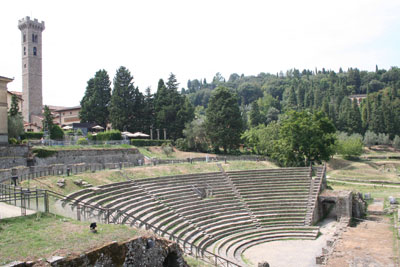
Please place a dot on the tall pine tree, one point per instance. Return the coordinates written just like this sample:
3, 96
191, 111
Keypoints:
95, 102
126, 103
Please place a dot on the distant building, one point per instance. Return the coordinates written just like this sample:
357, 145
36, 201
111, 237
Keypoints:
68, 116
358, 98
3, 110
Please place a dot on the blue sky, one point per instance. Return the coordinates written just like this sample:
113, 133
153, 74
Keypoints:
196, 39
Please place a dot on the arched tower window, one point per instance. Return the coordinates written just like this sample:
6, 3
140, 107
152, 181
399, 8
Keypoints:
24, 37
34, 50
33, 37
24, 51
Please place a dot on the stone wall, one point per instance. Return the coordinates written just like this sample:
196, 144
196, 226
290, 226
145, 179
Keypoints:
12, 156
342, 201
91, 156
138, 252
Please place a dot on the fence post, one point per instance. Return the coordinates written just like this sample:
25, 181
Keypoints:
37, 199
78, 212
46, 202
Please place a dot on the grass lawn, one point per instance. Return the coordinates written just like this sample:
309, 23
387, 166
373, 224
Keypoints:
78, 147
113, 176
157, 152
44, 235
362, 169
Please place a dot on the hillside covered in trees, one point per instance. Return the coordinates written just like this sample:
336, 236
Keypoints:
264, 97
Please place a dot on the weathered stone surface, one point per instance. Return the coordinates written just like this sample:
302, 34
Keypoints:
140, 252
78, 182
91, 156
263, 264
359, 206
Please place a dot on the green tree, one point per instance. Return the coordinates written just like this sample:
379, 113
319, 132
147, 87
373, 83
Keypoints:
126, 104
255, 115
15, 121
370, 139
95, 103
262, 138
14, 109
223, 119
47, 120
304, 138
172, 109
56, 133
196, 136
396, 142
349, 146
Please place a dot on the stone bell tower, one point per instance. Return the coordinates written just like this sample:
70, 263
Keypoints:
31, 42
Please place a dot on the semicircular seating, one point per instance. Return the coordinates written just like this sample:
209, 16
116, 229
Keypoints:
245, 208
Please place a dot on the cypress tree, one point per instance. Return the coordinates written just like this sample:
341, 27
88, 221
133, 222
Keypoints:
223, 120
126, 103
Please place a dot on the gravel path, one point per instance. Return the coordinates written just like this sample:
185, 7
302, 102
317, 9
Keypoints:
296, 253
7, 211
366, 184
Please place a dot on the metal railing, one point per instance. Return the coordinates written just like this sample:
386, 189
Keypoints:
86, 211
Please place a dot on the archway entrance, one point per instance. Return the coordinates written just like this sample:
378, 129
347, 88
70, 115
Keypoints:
171, 260
329, 210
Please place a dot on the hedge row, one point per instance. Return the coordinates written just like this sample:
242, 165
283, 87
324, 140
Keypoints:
106, 136
32, 135
147, 142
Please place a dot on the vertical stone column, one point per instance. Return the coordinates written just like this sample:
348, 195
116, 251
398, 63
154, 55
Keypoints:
3, 110
158, 134
165, 134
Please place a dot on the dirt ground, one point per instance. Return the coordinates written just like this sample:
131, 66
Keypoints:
369, 244
292, 253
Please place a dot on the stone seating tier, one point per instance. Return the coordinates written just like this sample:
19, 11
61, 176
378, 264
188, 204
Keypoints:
241, 203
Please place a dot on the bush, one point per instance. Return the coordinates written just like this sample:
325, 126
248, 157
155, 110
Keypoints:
43, 153
91, 137
181, 144
396, 142
82, 141
167, 149
383, 139
56, 133
32, 135
147, 142
370, 139
79, 132
12, 141
349, 146
109, 135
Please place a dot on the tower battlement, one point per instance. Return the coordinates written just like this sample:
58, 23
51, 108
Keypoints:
28, 23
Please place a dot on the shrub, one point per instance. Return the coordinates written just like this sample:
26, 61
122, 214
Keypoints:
167, 149
91, 137
79, 132
56, 133
82, 141
396, 142
12, 141
109, 135
383, 139
181, 144
147, 142
32, 135
370, 139
349, 146
43, 153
